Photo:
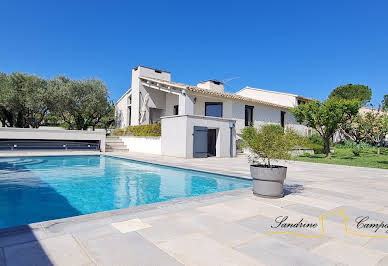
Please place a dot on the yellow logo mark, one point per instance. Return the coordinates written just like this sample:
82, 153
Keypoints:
320, 218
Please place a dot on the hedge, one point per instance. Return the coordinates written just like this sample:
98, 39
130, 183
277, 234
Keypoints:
152, 130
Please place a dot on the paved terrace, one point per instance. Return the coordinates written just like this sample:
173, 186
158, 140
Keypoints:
225, 228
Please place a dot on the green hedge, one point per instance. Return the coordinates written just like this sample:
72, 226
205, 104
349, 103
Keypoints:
153, 130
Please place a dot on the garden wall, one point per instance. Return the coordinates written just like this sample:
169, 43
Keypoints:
152, 145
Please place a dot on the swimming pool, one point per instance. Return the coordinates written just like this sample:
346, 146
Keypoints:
34, 189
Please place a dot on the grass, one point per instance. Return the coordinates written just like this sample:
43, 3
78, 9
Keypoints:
344, 156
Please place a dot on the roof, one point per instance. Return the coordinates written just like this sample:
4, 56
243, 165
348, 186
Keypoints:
225, 95
128, 91
277, 92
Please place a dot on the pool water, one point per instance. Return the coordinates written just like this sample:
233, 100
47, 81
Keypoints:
34, 189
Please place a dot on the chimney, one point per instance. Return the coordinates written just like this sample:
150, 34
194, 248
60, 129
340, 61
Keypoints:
211, 85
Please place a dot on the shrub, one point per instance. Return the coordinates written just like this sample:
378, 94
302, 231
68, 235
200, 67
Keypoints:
317, 148
268, 143
316, 139
152, 130
351, 144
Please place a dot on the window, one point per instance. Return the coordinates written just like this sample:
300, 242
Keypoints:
213, 109
248, 115
176, 110
282, 115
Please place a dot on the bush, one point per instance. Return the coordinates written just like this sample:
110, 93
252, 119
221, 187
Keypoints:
317, 148
316, 139
153, 130
351, 144
268, 143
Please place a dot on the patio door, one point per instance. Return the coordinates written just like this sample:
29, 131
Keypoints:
200, 142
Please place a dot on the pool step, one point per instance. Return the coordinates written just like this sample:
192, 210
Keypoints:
115, 144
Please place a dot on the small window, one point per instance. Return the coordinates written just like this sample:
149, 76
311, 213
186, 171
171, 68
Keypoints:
176, 109
248, 115
213, 109
282, 116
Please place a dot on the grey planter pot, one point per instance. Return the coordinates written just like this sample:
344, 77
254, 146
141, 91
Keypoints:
268, 182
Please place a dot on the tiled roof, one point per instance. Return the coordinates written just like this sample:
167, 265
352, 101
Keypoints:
214, 93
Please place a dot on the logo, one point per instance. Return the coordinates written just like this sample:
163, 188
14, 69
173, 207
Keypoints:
361, 223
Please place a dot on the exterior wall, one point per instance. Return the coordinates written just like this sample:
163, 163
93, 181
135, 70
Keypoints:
143, 144
177, 135
53, 134
262, 114
121, 113
280, 98
171, 100
157, 98
174, 136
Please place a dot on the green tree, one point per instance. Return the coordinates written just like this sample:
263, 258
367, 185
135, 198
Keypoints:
352, 92
326, 117
269, 142
376, 127
385, 102
355, 129
84, 103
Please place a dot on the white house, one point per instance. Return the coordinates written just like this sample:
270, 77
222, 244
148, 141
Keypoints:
189, 114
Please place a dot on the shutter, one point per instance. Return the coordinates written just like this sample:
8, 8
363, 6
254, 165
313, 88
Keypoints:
200, 142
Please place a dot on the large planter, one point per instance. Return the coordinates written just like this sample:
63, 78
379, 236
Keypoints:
268, 182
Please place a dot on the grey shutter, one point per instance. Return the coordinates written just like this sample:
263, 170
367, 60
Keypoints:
200, 142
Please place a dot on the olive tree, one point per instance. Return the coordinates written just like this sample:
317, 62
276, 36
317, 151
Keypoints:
326, 117
26, 100
269, 142
84, 103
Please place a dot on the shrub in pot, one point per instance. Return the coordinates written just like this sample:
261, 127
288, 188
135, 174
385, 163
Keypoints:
266, 145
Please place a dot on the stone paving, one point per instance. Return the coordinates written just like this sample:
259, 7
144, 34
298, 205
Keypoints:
228, 228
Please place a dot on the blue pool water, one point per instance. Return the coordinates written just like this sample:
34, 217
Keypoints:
34, 189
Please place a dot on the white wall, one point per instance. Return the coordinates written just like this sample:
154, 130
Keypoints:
177, 135
53, 134
174, 136
121, 113
275, 97
150, 145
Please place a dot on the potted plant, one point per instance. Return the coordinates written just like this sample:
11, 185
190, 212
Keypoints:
269, 143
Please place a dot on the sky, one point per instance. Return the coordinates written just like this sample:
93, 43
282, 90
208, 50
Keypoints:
303, 47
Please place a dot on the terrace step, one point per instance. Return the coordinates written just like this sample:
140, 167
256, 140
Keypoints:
115, 144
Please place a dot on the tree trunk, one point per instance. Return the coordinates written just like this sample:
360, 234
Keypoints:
358, 146
378, 148
327, 147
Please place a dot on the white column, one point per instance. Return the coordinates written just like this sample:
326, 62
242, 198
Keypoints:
186, 104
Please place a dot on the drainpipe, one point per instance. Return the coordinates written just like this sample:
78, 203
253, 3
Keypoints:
231, 126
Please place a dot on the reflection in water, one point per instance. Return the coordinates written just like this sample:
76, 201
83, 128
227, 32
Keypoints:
35, 189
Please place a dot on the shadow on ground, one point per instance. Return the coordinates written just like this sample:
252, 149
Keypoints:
292, 189
24, 199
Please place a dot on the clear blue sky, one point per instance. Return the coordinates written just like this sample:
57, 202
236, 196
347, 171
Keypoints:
303, 47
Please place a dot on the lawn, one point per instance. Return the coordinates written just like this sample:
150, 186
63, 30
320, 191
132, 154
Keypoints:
344, 156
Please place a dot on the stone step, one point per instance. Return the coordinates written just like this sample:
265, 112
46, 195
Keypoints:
116, 149
113, 144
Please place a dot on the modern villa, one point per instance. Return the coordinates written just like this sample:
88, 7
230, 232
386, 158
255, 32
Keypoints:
201, 120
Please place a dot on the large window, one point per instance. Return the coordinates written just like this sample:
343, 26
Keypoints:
248, 115
213, 109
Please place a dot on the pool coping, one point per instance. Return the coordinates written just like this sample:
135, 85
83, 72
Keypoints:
129, 211
141, 211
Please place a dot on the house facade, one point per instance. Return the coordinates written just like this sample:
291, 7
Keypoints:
154, 98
